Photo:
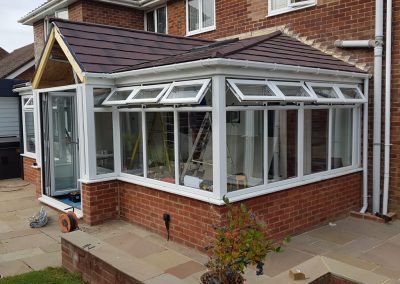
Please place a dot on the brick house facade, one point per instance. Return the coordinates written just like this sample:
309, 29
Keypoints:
286, 212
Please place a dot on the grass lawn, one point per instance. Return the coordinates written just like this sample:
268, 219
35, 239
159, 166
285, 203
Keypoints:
47, 276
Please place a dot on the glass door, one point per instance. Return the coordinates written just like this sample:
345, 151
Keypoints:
63, 142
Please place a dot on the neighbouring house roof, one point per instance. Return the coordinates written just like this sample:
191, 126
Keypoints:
106, 49
16, 59
3, 53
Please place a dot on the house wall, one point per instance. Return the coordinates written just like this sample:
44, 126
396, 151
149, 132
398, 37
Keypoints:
285, 213
32, 174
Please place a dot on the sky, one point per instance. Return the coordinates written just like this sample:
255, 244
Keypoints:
13, 34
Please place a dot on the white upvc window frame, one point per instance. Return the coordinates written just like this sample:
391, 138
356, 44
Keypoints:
131, 99
108, 102
27, 107
311, 98
290, 7
339, 99
232, 83
154, 11
205, 83
46, 23
201, 29
350, 86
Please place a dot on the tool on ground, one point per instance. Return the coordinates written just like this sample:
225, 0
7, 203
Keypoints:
68, 222
39, 220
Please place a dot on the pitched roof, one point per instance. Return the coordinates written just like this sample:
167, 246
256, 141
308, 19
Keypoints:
16, 60
3, 53
106, 49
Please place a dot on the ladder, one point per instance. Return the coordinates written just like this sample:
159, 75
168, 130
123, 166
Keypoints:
198, 150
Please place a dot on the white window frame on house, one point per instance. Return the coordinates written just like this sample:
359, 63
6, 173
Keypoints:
28, 106
109, 102
201, 29
156, 19
204, 83
291, 6
162, 87
349, 86
233, 84
310, 98
56, 14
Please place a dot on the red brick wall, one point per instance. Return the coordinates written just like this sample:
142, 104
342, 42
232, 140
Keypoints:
38, 32
286, 212
106, 14
100, 202
32, 175
92, 268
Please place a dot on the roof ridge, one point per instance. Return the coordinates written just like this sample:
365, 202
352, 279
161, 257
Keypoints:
244, 44
128, 29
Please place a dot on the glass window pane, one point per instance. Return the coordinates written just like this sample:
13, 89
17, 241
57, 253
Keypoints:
150, 22
351, 93
147, 94
195, 150
244, 136
162, 20
255, 90
342, 137
131, 143
193, 14
293, 91
316, 129
278, 4
29, 132
325, 92
160, 146
282, 145
99, 95
184, 92
104, 142
120, 95
208, 13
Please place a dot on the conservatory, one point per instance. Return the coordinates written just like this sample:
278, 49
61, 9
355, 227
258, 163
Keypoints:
197, 124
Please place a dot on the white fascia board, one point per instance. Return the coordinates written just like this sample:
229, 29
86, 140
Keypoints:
23, 91
47, 9
21, 70
227, 63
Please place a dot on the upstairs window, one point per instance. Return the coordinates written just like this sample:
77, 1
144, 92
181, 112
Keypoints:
200, 16
282, 6
59, 14
156, 20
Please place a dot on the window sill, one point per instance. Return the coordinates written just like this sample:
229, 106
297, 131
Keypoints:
288, 10
205, 30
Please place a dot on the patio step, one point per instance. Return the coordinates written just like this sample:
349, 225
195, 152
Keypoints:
100, 262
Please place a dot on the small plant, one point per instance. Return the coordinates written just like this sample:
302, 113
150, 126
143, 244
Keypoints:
240, 242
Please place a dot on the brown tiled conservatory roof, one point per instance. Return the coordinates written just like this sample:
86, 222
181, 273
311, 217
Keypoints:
106, 49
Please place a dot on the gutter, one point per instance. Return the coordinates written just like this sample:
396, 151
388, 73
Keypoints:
223, 62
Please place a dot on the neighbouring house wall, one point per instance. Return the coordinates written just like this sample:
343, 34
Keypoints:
9, 116
286, 212
38, 33
32, 174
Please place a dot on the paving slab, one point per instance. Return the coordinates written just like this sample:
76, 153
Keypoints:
276, 263
354, 261
186, 269
368, 228
166, 259
26, 242
20, 254
358, 247
18, 233
392, 274
12, 268
333, 235
164, 279
42, 261
386, 255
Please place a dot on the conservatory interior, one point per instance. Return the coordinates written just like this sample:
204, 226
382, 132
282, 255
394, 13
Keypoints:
204, 129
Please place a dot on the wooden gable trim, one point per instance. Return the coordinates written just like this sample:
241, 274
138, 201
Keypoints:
53, 37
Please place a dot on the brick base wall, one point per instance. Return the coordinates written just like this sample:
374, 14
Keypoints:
32, 175
285, 213
100, 202
92, 269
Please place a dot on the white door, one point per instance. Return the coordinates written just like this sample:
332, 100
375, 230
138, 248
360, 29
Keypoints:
63, 142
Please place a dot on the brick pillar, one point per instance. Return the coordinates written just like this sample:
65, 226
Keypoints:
100, 202
32, 174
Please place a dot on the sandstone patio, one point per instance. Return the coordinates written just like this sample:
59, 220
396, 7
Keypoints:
356, 249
